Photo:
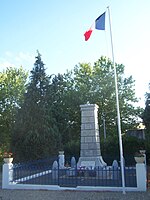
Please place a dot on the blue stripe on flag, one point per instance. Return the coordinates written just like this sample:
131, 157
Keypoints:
100, 22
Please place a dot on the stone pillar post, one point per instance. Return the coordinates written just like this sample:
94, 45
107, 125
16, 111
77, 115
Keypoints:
61, 160
141, 176
7, 175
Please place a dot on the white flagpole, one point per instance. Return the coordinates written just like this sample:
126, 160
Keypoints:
118, 111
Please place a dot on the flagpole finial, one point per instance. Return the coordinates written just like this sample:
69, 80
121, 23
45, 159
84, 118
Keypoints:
107, 8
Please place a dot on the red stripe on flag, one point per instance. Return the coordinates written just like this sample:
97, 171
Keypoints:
87, 34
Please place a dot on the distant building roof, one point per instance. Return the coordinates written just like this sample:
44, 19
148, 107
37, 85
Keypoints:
141, 126
139, 133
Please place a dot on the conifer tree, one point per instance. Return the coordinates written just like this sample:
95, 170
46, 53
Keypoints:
35, 131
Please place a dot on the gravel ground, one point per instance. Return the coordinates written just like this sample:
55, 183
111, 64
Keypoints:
69, 195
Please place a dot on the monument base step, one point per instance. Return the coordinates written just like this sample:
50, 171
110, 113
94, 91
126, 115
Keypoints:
91, 162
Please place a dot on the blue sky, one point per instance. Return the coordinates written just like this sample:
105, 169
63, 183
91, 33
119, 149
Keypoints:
56, 28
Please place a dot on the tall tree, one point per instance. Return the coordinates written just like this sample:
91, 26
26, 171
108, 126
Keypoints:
12, 88
35, 131
96, 85
60, 95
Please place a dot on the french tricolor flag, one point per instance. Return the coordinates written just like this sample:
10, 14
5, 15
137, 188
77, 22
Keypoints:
99, 24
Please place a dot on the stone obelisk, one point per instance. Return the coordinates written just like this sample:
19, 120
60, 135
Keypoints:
90, 152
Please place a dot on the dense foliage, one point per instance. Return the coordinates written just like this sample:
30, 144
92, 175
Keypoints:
12, 88
48, 118
146, 120
146, 114
35, 132
96, 85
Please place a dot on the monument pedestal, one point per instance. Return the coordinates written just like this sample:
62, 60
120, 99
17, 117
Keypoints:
90, 154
